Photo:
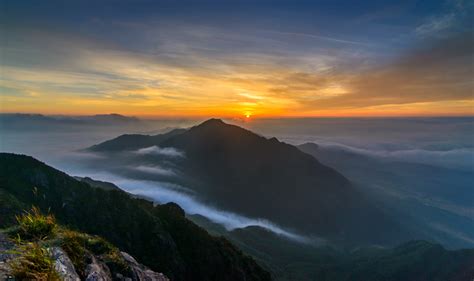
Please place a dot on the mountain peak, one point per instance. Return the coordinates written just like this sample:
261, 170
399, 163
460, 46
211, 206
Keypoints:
218, 130
213, 122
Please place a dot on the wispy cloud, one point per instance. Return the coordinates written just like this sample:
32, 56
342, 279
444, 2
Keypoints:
161, 194
155, 170
460, 158
166, 151
319, 37
436, 25
184, 69
251, 96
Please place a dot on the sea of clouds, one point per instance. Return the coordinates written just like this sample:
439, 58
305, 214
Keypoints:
446, 142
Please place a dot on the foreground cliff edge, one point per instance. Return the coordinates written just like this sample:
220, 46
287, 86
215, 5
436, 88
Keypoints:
159, 236
40, 249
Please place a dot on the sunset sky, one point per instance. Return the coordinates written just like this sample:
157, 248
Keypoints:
237, 58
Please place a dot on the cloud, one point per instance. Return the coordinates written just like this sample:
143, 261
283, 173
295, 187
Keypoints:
155, 170
453, 232
162, 194
167, 151
456, 18
461, 158
440, 71
251, 96
319, 37
436, 25
264, 73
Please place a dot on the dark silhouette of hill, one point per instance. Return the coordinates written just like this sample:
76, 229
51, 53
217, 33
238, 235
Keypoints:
133, 142
158, 236
240, 171
290, 260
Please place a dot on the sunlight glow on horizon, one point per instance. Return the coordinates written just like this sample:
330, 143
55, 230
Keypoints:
186, 93
262, 65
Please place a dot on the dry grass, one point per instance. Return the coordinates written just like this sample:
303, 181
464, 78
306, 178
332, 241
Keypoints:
34, 225
33, 263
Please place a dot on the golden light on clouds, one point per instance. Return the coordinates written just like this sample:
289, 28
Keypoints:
105, 81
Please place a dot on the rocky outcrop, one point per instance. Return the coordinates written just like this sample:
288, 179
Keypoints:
63, 265
5, 246
97, 271
141, 272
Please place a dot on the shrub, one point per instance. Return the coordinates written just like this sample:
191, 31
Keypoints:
114, 260
33, 263
73, 244
80, 246
34, 225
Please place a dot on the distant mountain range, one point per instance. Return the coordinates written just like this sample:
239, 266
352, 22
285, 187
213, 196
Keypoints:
289, 260
39, 122
246, 173
432, 200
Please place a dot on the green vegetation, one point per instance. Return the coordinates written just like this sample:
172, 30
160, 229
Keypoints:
287, 260
9, 207
32, 260
75, 250
34, 225
160, 236
80, 247
33, 263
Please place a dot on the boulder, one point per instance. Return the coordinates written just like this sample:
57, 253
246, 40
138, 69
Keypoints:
63, 265
97, 271
141, 272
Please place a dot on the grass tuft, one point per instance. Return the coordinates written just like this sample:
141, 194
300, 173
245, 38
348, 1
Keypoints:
33, 263
74, 246
34, 225
80, 247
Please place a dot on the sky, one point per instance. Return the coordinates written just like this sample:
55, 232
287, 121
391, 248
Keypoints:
237, 58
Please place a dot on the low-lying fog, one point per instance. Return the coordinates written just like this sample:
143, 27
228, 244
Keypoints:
445, 142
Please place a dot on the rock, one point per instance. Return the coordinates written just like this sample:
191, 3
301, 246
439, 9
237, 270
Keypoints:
5, 271
120, 277
5, 246
97, 271
63, 265
141, 272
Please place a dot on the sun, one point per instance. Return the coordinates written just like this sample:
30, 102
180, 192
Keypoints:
248, 115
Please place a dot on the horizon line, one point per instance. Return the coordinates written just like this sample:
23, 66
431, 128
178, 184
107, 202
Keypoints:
262, 117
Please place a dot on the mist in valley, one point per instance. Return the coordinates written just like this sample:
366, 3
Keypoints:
60, 142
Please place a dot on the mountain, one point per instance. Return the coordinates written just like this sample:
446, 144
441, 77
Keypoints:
133, 142
113, 117
243, 172
98, 184
38, 122
8, 118
290, 260
434, 200
158, 236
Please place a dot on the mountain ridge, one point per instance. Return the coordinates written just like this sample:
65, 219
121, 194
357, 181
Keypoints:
171, 244
440, 195
243, 172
